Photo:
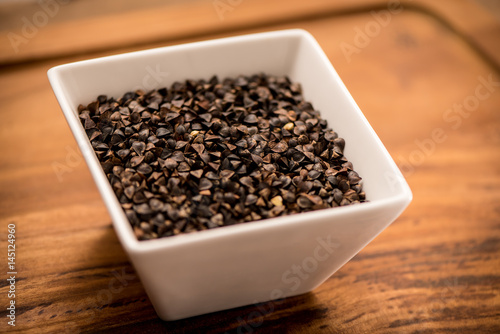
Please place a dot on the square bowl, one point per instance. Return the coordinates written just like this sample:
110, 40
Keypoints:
208, 271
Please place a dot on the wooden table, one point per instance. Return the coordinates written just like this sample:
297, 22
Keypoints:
436, 269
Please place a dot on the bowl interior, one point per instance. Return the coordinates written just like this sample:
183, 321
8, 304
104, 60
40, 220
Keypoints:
156, 68
294, 53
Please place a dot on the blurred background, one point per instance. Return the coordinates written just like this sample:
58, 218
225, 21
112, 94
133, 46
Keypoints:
72, 26
413, 66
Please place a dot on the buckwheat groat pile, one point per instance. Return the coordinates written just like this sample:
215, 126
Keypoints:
204, 154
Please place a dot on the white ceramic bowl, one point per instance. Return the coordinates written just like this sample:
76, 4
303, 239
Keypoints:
201, 272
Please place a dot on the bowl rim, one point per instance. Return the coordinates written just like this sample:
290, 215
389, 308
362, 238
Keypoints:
121, 224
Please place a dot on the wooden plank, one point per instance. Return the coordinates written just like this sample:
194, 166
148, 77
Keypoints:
173, 21
436, 269
76, 27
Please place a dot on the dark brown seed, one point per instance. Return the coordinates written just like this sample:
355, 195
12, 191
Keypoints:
339, 142
316, 200
135, 117
171, 116
338, 195
218, 219
216, 154
288, 196
304, 202
171, 163
227, 173
180, 130
246, 181
143, 209
139, 233
183, 167
330, 136
251, 119
89, 124
205, 184
230, 198
136, 161
263, 124
155, 204
178, 156
241, 143
180, 144
300, 129
132, 217
215, 166
211, 137
280, 147
344, 185
313, 174
269, 168
197, 173
212, 176
353, 177
257, 159
265, 193
129, 192
123, 153
242, 170
303, 140
198, 148
143, 134
323, 193
139, 147
95, 134
351, 195
100, 146
206, 117
344, 202
225, 131
162, 132
144, 168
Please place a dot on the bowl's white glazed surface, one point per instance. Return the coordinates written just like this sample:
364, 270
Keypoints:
208, 271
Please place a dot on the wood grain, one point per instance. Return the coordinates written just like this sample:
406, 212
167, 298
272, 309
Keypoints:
435, 270
77, 28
